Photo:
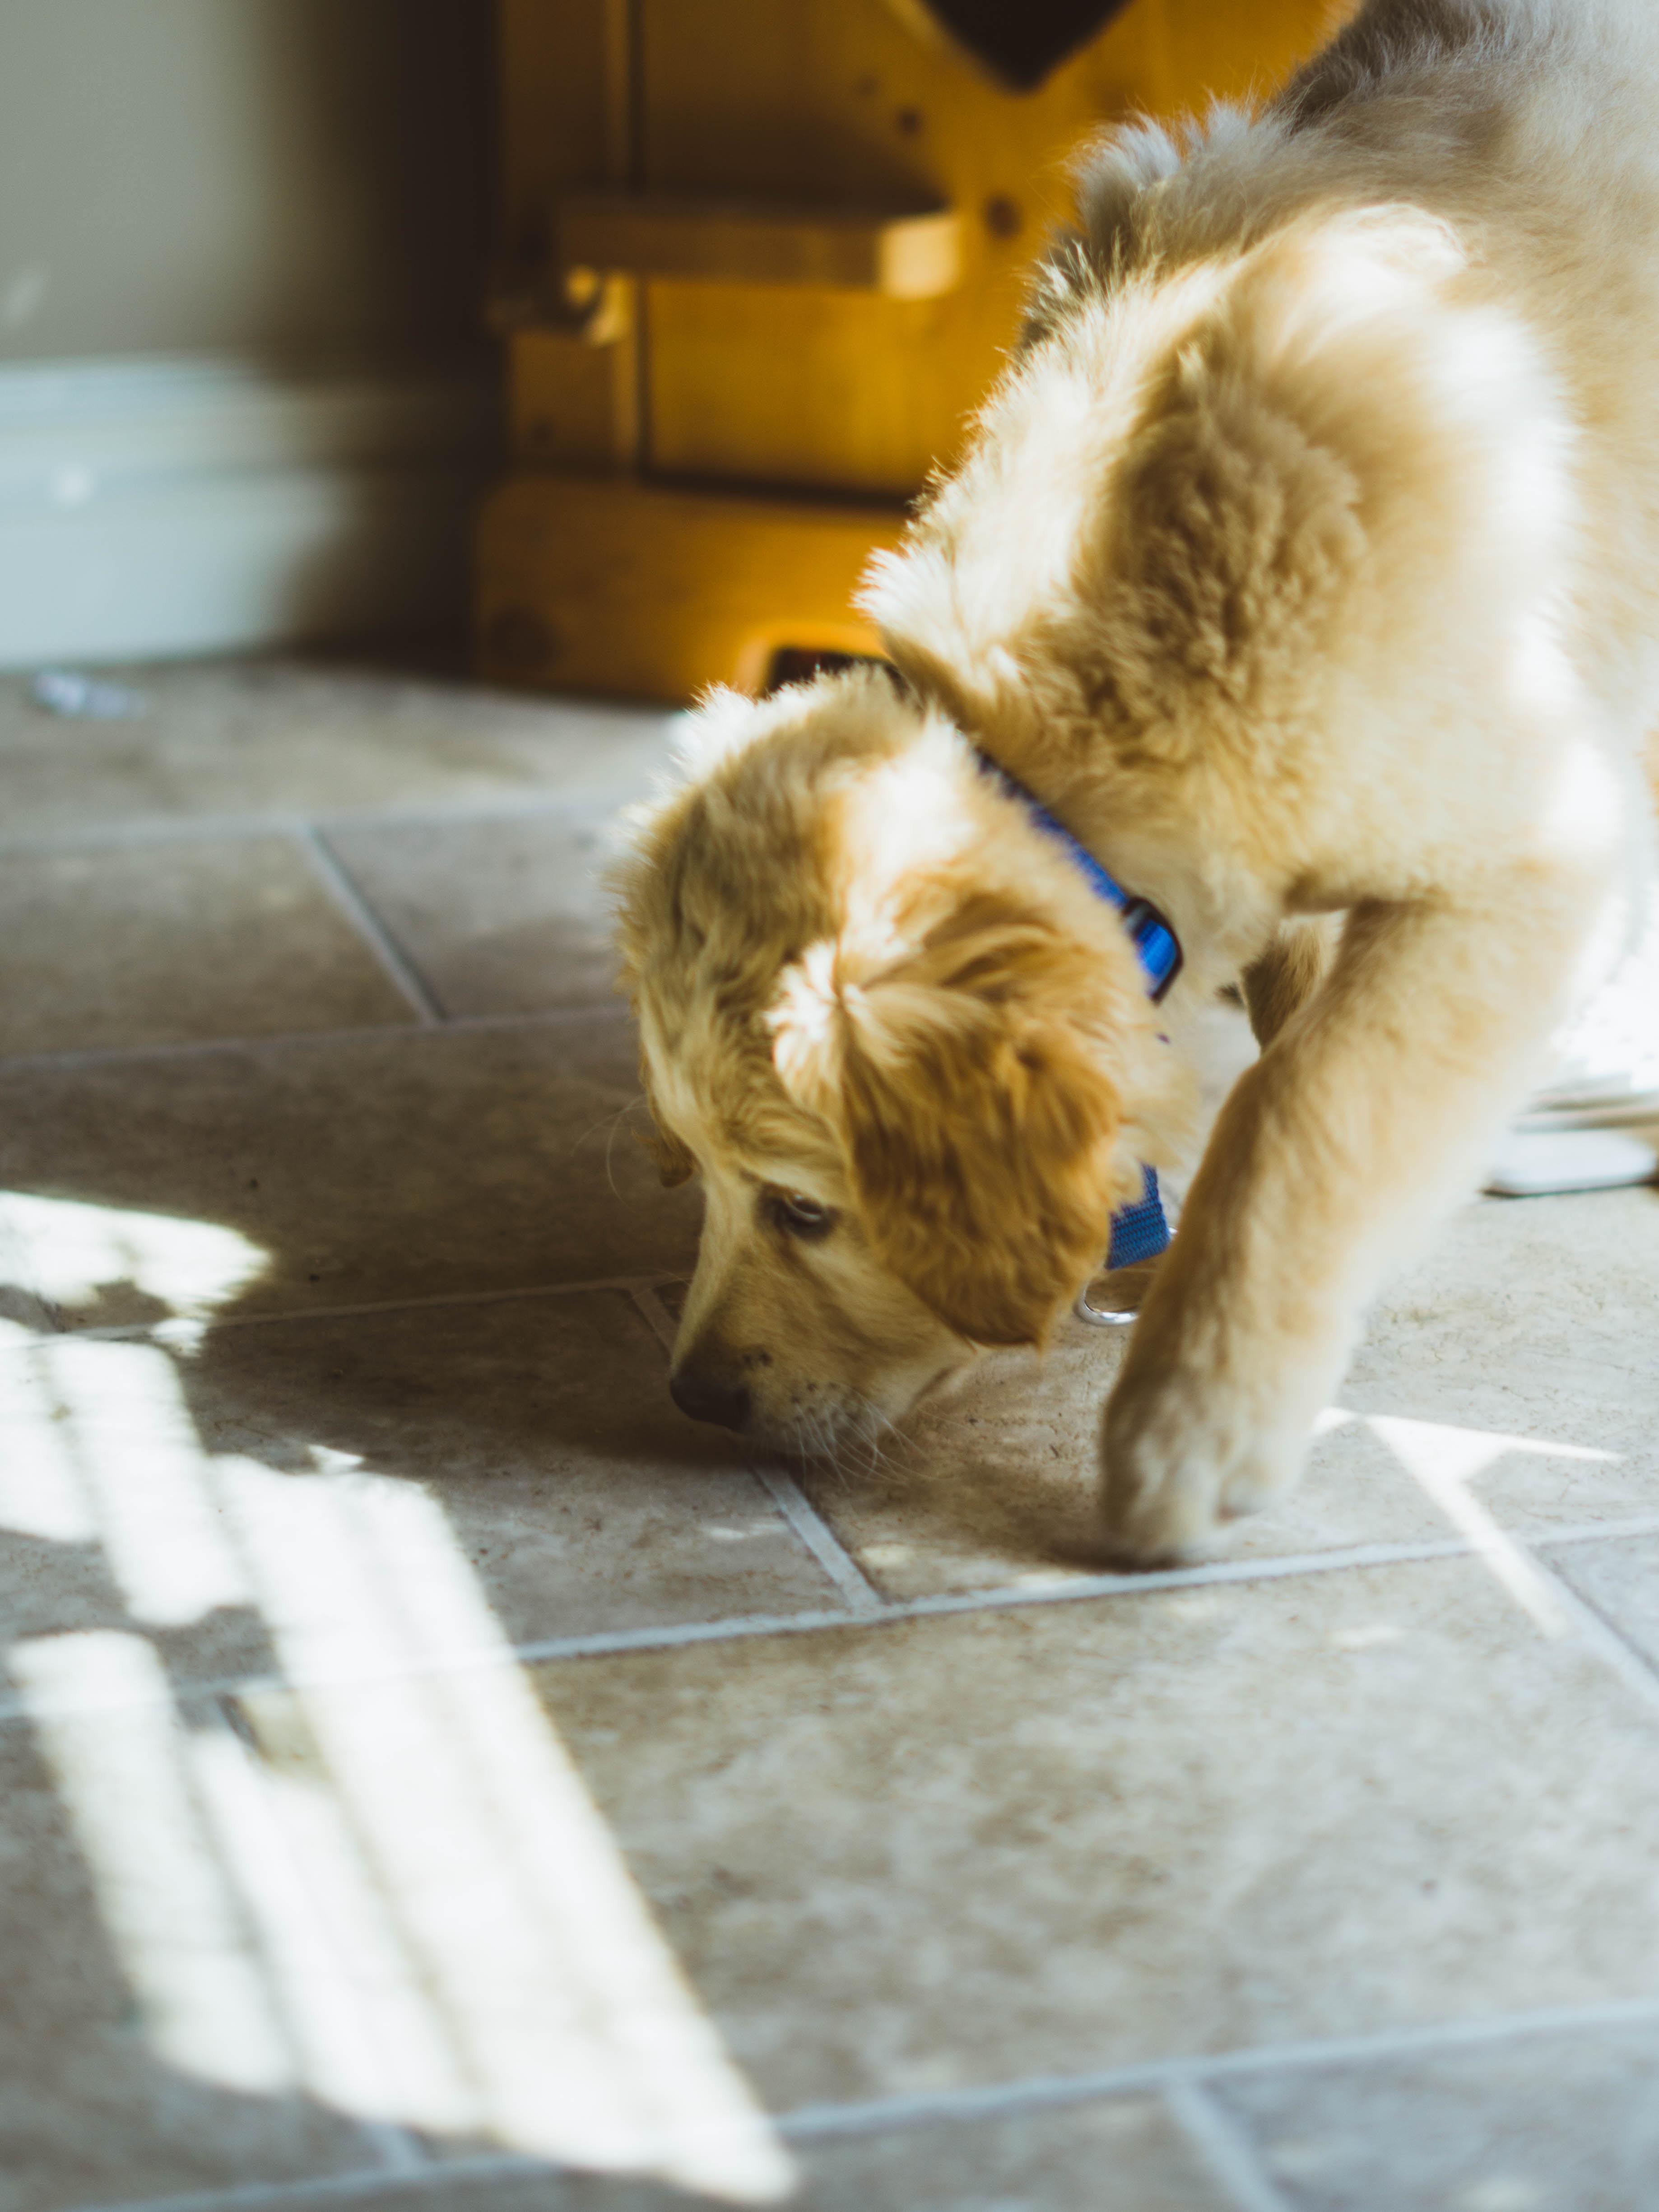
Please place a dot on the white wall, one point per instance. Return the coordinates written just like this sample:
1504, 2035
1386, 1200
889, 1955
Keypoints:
185, 176
242, 248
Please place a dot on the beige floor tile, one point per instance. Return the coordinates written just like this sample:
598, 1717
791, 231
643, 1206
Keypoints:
1074, 1836
1511, 1371
310, 735
165, 944
335, 1171
501, 917
1533, 1318
528, 1450
1550, 2124
998, 1483
576, 1493
140, 2053
1122, 2154
1620, 1579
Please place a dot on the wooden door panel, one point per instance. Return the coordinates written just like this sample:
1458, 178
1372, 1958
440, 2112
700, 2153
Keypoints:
825, 389
590, 574
838, 99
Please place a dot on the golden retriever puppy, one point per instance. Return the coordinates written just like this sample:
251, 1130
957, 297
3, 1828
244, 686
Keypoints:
1305, 566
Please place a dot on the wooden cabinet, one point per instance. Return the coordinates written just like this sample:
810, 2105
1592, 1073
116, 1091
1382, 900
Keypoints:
760, 262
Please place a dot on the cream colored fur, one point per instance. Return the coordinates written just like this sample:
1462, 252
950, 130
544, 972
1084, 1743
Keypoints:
1306, 565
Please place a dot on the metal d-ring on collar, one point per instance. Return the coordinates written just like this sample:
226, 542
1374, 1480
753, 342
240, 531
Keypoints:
1139, 1230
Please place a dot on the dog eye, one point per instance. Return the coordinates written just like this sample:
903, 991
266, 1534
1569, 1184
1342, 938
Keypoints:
798, 1215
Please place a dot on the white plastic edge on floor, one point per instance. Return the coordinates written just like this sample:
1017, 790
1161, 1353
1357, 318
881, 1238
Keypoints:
169, 506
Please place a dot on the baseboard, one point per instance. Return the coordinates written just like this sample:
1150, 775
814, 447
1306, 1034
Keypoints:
159, 507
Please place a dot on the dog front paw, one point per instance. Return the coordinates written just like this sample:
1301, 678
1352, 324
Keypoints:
1183, 1456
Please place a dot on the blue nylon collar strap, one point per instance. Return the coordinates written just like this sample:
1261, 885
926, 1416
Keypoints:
1139, 1230
1156, 944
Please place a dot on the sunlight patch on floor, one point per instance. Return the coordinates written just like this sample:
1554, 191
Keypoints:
169, 1900
65, 1250
1445, 1461
380, 1879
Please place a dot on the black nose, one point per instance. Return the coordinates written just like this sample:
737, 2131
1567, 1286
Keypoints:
708, 1397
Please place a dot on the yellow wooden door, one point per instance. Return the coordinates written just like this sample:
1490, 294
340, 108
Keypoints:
841, 100
686, 388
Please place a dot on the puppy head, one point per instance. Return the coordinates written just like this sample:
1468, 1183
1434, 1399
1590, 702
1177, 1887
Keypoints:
891, 1032
969, 1090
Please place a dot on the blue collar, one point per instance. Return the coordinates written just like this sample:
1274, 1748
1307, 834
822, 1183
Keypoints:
1155, 942
1140, 1230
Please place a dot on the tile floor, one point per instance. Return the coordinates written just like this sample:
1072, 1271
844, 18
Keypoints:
435, 1775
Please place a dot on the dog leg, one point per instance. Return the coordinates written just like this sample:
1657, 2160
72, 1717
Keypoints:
1279, 981
1371, 1111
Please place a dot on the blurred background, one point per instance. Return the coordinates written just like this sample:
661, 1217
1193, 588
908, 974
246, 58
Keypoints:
612, 332
245, 392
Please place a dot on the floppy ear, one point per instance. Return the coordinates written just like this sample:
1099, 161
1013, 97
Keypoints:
675, 1164
976, 1120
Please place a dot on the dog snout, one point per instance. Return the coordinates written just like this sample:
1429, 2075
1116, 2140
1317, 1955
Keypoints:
707, 1395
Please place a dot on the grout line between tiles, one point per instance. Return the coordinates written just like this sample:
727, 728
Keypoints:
400, 970
645, 1296
1596, 1630
284, 822
807, 2123
288, 1040
138, 837
815, 2122
1002, 1599
596, 809
1224, 2146
673, 1636
402, 2157
330, 2189
589, 809
803, 1518
820, 1539
192, 1328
